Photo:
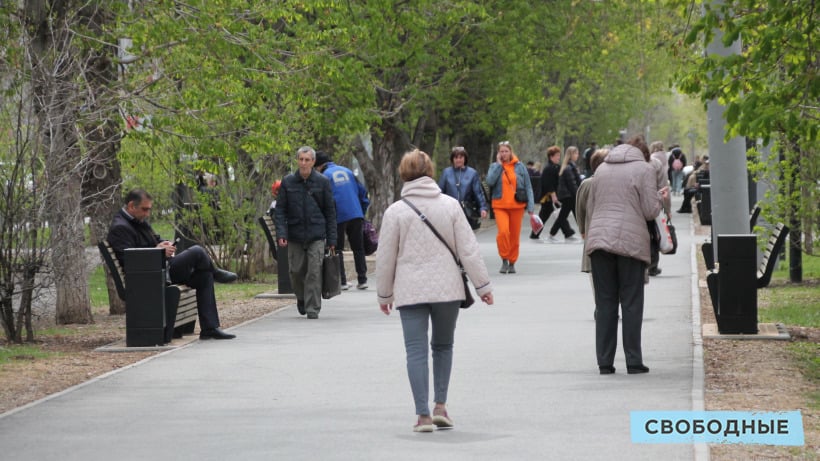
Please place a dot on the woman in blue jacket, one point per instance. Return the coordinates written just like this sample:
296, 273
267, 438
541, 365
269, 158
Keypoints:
462, 183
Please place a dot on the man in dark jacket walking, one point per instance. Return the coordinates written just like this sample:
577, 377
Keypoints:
305, 224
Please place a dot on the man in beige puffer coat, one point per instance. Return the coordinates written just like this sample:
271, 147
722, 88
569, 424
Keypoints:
624, 197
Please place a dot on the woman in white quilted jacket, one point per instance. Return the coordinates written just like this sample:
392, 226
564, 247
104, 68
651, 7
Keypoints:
418, 275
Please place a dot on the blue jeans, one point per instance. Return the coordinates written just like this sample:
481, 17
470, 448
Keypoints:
414, 321
677, 181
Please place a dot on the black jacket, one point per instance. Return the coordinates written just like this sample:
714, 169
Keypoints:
549, 179
568, 182
305, 209
125, 232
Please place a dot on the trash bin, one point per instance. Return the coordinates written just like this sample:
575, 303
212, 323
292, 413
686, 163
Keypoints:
736, 307
145, 317
705, 204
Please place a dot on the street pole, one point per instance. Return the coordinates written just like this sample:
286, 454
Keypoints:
692, 135
727, 159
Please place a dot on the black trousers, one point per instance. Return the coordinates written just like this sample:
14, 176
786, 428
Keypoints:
561, 222
193, 267
618, 280
686, 206
353, 229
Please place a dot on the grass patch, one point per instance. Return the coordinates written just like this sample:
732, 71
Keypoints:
14, 353
811, 267
807, 356
97, 288
797, 305
264, 282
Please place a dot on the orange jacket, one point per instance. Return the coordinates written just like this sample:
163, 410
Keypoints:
508, 184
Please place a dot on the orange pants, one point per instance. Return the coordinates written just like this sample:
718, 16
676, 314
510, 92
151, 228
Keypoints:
508, 221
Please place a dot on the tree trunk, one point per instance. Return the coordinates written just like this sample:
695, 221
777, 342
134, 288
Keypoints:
381, 170
55, 72
102, 178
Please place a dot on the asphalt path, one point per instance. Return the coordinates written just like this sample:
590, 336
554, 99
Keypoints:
525, 383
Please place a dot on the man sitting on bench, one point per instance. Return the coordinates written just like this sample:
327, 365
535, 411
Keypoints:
693, 185
192, 267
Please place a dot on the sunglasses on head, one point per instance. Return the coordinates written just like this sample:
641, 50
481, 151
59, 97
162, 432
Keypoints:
504, 143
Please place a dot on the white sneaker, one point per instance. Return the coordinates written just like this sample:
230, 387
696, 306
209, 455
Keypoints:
572, 239
552, 239
362, 286
347, 286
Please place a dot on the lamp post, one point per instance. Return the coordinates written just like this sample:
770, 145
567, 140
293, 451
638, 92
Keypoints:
692, 136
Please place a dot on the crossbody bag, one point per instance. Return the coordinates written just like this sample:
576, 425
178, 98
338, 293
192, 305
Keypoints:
468, 296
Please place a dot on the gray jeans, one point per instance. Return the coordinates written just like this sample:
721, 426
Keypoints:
305, 268
414, 321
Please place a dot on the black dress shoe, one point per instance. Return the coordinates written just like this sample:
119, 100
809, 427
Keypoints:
606, 370
222, 276
300, 306
215, 333
636, 369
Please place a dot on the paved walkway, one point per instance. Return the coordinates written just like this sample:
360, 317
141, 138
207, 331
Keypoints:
525, 384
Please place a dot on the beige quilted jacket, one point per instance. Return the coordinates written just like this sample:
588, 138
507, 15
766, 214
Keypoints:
624, 196
412, 265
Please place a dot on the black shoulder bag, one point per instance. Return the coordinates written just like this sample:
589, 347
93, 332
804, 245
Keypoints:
468, 296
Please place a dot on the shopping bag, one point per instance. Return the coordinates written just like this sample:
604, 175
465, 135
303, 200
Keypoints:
667, 239
331, 278
536, 224
371, 238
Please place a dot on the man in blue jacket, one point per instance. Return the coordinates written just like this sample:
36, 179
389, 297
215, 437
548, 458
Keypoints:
306, 224
351, 205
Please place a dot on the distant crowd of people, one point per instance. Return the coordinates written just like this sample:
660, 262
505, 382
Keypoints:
427, 243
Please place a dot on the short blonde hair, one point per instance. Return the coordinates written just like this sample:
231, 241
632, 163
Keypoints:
597, 158
414, 165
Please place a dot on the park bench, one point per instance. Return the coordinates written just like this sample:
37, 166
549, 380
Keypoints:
269, 229
283, 277
708, 251
773, 248
736, 281
180, 300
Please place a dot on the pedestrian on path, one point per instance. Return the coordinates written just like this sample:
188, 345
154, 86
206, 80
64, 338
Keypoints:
568, 181
658, 160
549, 188
306, 225
351, 206
463, 184
624, 197
422, 279
511, 193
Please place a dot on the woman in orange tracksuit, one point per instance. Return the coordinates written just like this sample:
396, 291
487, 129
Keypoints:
506, 176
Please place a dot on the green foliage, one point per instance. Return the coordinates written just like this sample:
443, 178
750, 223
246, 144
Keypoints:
771, 89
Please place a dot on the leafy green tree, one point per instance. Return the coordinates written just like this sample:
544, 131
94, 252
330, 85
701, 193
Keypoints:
771, 92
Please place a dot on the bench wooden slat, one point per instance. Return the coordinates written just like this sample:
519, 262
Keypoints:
773, 249
269, 228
